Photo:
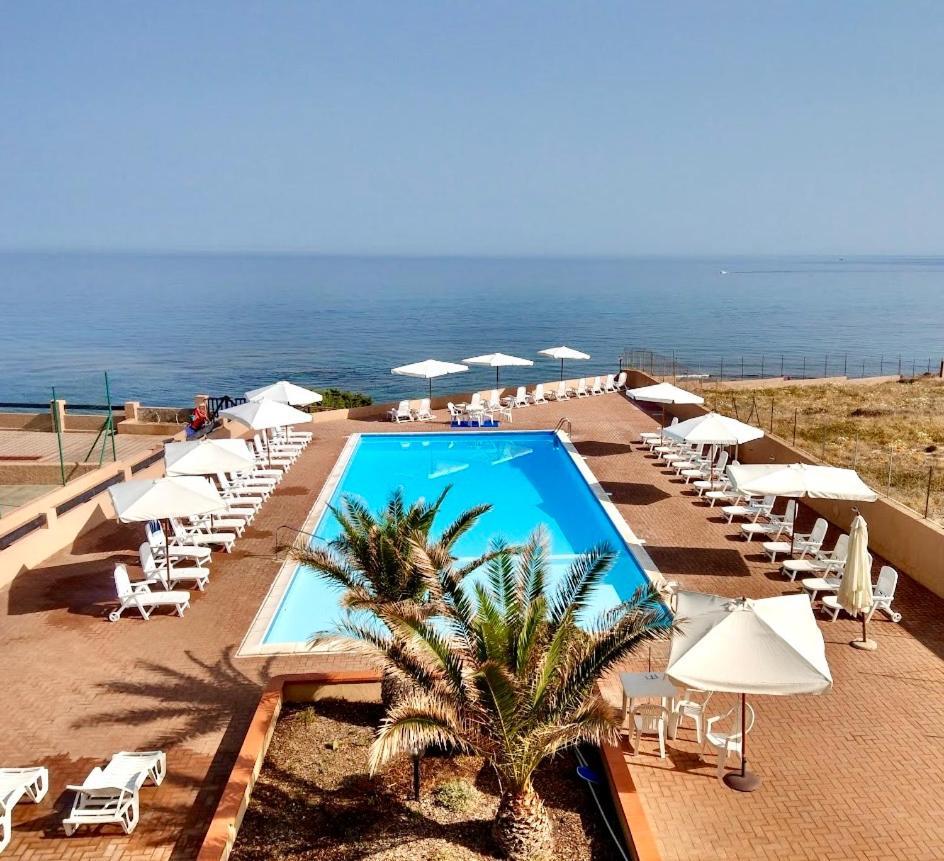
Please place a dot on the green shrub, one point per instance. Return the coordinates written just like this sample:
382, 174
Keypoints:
339, 399
456, 795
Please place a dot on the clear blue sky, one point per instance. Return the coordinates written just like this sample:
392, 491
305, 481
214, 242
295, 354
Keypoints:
477, 127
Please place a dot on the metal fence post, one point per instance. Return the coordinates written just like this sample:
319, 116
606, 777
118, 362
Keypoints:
826, 366
771, 415
742, 367
804, 367
913, 374
863, 367
822, 451
796, 414
845, 365
721, 375
899, 366
888, 487
927, 496
855, 451
881, 366
762, 366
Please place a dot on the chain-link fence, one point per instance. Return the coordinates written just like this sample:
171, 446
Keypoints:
719, 367
898, 453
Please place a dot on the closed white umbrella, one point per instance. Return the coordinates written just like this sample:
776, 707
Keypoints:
855, 588
770, 646
207, 457
285, 392
498, 360
664, 393
429, 369
563, 353
797, 480
162, 498
265, 414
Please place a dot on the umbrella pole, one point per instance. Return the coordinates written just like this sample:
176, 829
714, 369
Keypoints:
430, 392
743, 780
496, 376
865, 643
562, 370
167, 550
662, 426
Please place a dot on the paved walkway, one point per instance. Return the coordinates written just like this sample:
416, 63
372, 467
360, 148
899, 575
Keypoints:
77, 688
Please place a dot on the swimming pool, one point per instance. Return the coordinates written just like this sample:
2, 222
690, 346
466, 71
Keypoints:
529, 477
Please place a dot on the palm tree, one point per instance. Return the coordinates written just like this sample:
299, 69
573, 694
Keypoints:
382, 560
506, 672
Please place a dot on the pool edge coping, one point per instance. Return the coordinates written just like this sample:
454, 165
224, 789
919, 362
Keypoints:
252, 645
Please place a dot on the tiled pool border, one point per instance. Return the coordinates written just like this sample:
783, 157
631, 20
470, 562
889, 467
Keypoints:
253, 644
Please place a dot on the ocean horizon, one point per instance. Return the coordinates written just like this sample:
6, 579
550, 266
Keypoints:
168, 325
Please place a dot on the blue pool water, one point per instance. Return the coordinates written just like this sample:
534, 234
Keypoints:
529, 478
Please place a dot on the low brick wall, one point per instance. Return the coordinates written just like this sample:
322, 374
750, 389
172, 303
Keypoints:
357, 686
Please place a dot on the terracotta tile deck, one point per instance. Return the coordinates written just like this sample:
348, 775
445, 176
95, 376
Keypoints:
858, 773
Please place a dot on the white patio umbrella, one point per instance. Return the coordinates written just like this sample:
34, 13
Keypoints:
429, 369
770, 646
664, 393
855, 588
714, 429
140, 500
285, 392
264, 414
207, 457
799, 480
563, 353
498, 360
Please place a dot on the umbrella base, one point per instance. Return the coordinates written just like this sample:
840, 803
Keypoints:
747, 782
865, 645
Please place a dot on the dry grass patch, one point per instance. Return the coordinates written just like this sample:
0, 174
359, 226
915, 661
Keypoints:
870, 427
314, 799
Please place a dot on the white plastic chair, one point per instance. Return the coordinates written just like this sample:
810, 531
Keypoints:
596, 387
518, 399
582, 391
560, 394
691, 705
751, 509
14, 784
620, 381
156, 538
729, 741
154, 573
140, 597
652, 438
110, 794
650, 719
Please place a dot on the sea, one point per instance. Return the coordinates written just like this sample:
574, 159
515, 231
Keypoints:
167, 326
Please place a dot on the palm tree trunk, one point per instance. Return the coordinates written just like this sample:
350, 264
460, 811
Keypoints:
392, 687
522, 828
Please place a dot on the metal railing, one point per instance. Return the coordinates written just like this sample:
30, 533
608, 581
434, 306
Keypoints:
700, 363
222, 402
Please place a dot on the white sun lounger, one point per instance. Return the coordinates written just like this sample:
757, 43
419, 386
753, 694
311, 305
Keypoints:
582, 391
156, 538
751, 509
196, 535
139, 596
537, 396
776, 525
620, 381
14, 784
154, 573
609, 383
596, 387
802, 544
266, 455
882, 595
518, 399
424, 413
820, 562
560, 393
110, 794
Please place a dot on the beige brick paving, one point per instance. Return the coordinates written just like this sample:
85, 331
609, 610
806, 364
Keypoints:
853, 774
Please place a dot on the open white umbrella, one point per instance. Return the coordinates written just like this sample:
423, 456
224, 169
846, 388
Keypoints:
797, 480
499, 360
769, 646
855, 588
664, 393
265, 414
285, 392
714, 429
429, 369
563, 353
207, 457
140, 500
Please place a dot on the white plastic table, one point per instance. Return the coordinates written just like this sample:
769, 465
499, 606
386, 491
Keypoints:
646, 685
